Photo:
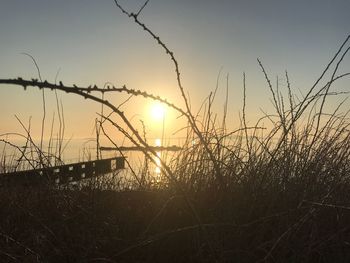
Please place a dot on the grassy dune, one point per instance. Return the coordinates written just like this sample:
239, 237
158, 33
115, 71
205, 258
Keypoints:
254, 194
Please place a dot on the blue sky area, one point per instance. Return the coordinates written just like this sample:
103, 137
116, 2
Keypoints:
92, 42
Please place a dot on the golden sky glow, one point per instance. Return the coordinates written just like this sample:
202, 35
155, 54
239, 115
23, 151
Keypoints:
158, 111
92, 42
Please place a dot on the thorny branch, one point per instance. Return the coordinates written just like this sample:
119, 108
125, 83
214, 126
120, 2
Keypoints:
189, 114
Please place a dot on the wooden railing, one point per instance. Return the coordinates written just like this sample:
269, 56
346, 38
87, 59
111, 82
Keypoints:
64, 173
172, 148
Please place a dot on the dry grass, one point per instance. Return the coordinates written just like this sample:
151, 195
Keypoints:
248, 195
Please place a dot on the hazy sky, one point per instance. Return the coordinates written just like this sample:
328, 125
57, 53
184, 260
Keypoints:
92, 42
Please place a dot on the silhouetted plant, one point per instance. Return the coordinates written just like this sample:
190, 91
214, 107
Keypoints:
247, 195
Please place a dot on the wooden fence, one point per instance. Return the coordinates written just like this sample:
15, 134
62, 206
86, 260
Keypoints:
64, 173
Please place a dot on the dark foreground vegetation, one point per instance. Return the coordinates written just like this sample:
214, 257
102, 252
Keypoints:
254, 194
246, 223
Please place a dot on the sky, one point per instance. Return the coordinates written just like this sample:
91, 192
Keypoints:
92, 42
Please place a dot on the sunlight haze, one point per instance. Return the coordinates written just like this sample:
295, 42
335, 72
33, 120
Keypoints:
92, 42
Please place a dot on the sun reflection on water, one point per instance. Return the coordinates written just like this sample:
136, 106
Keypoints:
157, 170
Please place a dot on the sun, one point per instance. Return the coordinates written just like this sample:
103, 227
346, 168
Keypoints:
158, 111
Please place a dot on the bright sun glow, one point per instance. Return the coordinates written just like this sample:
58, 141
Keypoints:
158, 111
158, 142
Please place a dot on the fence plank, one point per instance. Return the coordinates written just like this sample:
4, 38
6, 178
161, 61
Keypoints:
64, 173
